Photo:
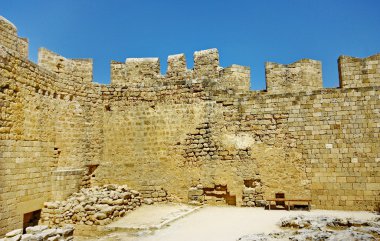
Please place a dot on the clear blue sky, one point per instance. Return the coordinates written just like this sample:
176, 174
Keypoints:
245, 32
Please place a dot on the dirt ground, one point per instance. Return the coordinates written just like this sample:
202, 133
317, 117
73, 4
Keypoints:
159, 223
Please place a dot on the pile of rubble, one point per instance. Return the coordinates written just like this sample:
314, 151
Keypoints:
301, 228
39, 233
91, 206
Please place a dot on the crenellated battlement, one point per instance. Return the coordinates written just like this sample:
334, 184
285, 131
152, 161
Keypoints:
146, 71
359, 72
185, 133
206, 64
177, 68
10, 39
77, 70
302, 75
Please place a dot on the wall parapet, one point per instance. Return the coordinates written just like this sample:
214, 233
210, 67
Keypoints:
359, 72
77, 70
177, 68
10, 39
302, 75
206, 64
146, 72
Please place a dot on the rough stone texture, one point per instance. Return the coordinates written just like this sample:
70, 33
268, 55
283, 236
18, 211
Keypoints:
357, 72
91, 206
167, 133
144, 71
177, 69
253, 194
321, 228
206, 64
9, 38
78, 70
40, 233
66, 182
235, 77
303, 75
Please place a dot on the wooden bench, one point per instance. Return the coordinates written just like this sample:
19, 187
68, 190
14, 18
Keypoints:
288, 201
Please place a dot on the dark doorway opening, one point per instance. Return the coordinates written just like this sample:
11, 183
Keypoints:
280, 195
31, 219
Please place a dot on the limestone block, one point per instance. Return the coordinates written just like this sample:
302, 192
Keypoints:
13, 233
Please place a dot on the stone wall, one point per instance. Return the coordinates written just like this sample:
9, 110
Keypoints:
192, 134
359, 72
9, 38
303, 75
45, 124
78, 70
145, 72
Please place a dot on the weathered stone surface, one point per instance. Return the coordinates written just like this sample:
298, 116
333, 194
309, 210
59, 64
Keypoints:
14, 238
40, 233
13, 233
148, 201
36, 229
95, 205
321, 228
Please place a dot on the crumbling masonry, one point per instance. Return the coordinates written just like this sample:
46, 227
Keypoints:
201, 135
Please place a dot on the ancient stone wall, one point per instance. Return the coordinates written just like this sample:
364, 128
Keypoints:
45, 126
359, 72
9, 38
145, 72
302, 75
192, 134
78, 70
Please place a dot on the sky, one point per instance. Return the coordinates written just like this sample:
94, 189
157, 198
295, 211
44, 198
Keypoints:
247, 33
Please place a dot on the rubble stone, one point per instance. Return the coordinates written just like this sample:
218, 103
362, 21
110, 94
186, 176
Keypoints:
90, 206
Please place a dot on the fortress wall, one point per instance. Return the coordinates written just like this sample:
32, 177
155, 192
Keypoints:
206, 64
118, 73
142, 71
308, 145
141, 129
235, 77
337, 132
9, 38
177, 68
199, 127
76, 70
359, 72
26, 160
146, 72
341, 145
43, 128
252, 136
303, 75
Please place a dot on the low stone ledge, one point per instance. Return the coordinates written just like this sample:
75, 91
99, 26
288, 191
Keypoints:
41, 232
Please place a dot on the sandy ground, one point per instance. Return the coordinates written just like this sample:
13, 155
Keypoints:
220, 223
153, 216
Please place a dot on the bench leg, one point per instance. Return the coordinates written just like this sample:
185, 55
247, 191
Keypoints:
269, 206
309, 206
288, 205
